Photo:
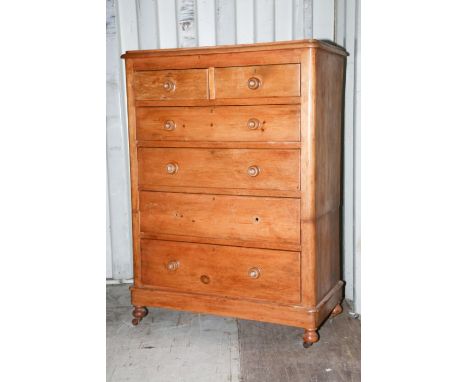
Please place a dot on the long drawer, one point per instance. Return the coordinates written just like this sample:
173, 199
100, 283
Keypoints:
262, 123
272, 220
222, 270
230, 168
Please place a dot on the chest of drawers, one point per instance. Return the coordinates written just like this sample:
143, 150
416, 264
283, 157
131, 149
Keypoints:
235, 156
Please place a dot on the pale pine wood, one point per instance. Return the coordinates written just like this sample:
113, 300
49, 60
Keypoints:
277, 45
275, 80
229, 241
211, 81
328, 302
189, 84
328, 262
307, 185
221, 216
278, 169
274, 312
221, 144
329, 72
220, 124
224, 191
220, 60
226, 267
293, 315
221, 102
131, 115
214, 218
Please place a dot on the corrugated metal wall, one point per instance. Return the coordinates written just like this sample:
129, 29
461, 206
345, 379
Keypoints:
152, 24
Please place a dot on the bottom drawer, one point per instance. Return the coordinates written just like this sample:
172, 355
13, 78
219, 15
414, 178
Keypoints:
228, 271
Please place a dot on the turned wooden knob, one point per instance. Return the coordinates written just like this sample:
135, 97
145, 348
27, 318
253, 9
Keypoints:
172, 265
253, 83
254, 273
169, 85
204, 279
253, 171
253, 123
172, 168
169, 125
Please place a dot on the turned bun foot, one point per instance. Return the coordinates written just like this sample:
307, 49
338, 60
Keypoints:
310, 336
338, 309
139, 312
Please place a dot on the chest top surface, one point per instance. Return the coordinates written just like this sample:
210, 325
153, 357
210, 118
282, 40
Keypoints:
268, 46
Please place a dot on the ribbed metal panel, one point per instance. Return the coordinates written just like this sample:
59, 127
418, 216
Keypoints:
185, 23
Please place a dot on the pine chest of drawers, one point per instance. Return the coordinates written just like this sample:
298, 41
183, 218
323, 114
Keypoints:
235, 156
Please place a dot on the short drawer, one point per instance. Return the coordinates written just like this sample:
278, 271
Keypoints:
274, 123
258, 81
245, 218
262, 169
171, 84
222, 270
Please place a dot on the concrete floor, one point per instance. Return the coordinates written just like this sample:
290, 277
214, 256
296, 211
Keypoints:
187, 347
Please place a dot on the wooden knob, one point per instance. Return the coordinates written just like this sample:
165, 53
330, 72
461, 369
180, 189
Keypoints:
254, 273
204, 279
253, 171
253, 123
253, 83
172, 168
169, 85
169, 125
172, 265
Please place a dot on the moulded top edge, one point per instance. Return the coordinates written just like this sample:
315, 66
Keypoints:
277, 45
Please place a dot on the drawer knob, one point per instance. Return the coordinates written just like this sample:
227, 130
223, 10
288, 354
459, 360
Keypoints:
253, 123
204, 279
254, 273
172, 168
253, 171
169, 125
172, 265
253, 83
169, 85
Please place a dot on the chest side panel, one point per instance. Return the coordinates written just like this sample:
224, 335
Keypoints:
329, 94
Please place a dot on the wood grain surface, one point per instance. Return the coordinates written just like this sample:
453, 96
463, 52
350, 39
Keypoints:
305, 44
274, 81
236, 161
226, 168
226, 269
220, 124
329, 72
220, 216
187, 84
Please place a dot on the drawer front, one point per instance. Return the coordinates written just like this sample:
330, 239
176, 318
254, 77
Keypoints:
171, 84
258, 81
263, 219
222, 123
225, 168
222, 270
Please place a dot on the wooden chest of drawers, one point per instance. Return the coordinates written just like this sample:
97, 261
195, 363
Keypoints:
236, 180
